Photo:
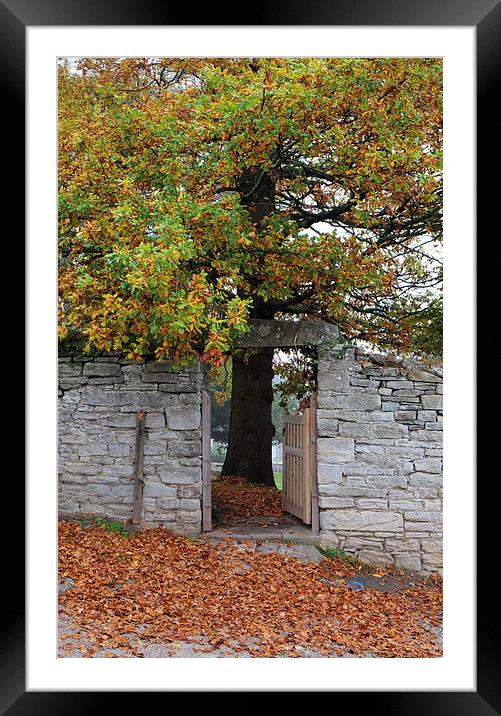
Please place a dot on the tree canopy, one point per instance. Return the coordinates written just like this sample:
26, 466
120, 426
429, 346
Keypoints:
195, 193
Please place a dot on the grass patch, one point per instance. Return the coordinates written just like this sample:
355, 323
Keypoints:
113, 526
278, 476
334, 553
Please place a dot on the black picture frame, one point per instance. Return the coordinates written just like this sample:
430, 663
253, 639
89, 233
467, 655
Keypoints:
485, 15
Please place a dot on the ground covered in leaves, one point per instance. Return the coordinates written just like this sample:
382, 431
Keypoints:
123, 595
234, 500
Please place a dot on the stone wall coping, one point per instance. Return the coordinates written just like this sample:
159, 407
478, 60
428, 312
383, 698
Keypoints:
392, 360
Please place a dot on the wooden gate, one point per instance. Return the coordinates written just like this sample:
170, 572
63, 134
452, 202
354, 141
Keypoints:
299, 489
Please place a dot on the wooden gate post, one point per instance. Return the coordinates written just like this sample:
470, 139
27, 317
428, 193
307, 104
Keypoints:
307, 482
315, 509
138, 470
206, 466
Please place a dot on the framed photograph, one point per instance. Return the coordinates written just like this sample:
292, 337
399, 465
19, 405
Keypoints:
36, 39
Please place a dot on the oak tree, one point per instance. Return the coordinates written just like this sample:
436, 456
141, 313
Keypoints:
198, 193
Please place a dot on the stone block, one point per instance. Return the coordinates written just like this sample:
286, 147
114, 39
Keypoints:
336, 450
155, 447
406, 394
432, 546
356, 543
151, 400
189, 504
183, 418
189, 516
405, 415
375, 557
152, 490
191, 461
432, 402
400, 384
353, 491
329, 474
69, 370
355, 430
70, 479
180, 475
372, 503
402, 544
102, 370
410, 562
167, 503
359, 401
381, 372
422, 492
434, 426
120, 450
101, 397
73, 438
326, 427
364, 382
384, 481
393, 430
428, 464
424, 516
389, 406
405, 505
118, 470
158, 377
417, 527
385, 391
422, 375
190, 398
370, 448
183, 387
120, 420
93, 448
427, 415
405, 451
420, 479
154, 421
335, 502
333, 380
364, 520
186, 448
357, 416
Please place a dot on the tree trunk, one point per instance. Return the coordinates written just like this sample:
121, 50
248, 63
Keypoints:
251, 429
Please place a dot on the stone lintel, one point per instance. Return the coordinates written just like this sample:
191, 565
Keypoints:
287, 334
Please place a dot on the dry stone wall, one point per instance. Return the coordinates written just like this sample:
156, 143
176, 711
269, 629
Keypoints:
380, 459
98, 402
379, 426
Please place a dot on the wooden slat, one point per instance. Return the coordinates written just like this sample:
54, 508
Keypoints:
293, 451
300, 479
206, 468
292, 496
137, 498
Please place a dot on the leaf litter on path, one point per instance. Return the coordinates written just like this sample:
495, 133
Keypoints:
237, 500
156, 587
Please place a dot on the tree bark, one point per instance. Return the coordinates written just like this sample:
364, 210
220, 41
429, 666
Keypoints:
251, 428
